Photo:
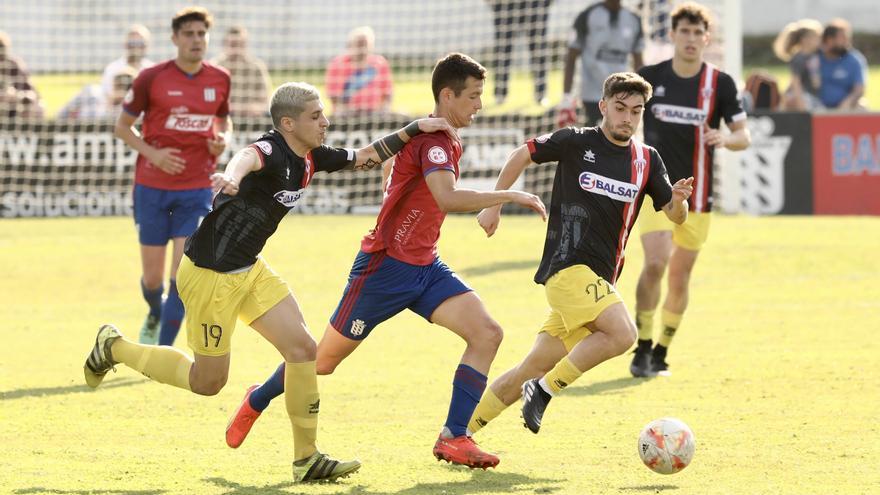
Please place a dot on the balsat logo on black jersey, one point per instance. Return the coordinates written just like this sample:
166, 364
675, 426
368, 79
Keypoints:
289, 198
614, 189
677, 114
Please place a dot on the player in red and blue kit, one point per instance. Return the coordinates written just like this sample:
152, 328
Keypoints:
185, 104
398, 267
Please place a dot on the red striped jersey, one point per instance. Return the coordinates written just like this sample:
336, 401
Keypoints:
597, 192
674, 119
180, 111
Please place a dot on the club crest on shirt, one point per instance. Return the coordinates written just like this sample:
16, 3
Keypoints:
660, 91
210, 94
129, 97
265, 147
543, 138
614, 189
437, 155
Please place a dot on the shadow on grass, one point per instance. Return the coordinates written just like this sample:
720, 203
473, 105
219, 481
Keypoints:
478, 271
647, 488
600, 388
40, 489
70, 389
480, 482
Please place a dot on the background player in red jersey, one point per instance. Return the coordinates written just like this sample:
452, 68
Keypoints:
682, 121
185, 106
398, 267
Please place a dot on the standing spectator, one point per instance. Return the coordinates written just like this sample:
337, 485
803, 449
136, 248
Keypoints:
605, 34
798, 44
92, 103
359, 81
843, 82
18, 97
137, 41
520, 16
185, 106
250, 77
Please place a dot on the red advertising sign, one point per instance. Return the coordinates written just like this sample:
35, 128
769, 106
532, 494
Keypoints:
846, 164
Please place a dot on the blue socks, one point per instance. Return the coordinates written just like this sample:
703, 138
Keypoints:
172, 314
274, 386
153, 298
467, 388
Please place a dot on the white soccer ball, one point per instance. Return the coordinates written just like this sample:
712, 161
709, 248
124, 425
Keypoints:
666, 445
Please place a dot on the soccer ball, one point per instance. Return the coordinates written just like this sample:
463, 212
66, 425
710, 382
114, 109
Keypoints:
666, 445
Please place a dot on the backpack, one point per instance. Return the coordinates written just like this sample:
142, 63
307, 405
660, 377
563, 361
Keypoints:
763, 91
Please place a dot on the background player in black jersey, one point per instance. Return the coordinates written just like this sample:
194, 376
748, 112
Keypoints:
222, 278
682, 121
600, 183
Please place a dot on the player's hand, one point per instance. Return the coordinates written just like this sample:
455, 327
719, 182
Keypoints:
682, 189
531, 202
221, 181
489, 219
434, 124
216, 145
168, 160
713, 137
566, 111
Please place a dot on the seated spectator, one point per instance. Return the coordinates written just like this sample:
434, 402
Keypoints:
798, 44
18, 97
137, 41
359, 81
251, 85
843, 82
92, 103
847, 29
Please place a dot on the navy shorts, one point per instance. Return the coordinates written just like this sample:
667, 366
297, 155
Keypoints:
160, 214
380, 286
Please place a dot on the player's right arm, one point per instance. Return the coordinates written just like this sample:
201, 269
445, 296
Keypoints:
517, 162
449, 198
241, 164
165, 159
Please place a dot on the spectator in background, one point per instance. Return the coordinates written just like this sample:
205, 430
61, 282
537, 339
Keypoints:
605, 34
847, 29
527, 17
137, 41
250, 77
359, 81
843, 82
92, 103
18, 97
798, 44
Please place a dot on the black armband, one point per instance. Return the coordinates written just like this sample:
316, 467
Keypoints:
388, 146
412, 130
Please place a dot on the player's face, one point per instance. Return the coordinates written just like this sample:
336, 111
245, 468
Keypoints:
464, 107
191, 41
690, 40
310, 127
622, 114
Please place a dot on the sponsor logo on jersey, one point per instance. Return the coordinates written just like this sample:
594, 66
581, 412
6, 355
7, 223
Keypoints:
180, 109
357, 327
437, 155
210, 94
590, 156
614, 189
189, 122
289, 198
265, 147
676, 114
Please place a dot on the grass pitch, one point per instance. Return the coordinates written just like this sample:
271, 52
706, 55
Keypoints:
775, 370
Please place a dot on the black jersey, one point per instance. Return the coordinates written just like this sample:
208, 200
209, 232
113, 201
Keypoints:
597, 192
236, 229
674, 119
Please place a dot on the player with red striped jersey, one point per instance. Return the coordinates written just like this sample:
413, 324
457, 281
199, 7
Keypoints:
602, 177
185, 105
682, 121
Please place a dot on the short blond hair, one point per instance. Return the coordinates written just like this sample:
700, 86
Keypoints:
290, 99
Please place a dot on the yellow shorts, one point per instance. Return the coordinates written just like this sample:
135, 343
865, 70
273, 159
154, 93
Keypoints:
690, 235
577, 296
214, 300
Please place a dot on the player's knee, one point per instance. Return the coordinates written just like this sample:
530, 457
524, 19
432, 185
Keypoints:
624, 336
654, 268
491, 334
678, 282
325, 366
209, 386
300, 350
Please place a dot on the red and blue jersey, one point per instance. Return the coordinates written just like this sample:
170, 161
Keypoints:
408, 226
180, 111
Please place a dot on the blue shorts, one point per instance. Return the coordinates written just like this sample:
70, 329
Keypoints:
380, 286
160, 214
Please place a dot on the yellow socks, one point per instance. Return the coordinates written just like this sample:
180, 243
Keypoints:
670, 322
645, 324
489, 408
561, 376
302, 401
163, 364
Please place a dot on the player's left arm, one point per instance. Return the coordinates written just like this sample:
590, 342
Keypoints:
676, 209
730, 106
217, 144
382, 149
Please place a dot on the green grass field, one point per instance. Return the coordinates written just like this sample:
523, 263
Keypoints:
412, 91
775, 369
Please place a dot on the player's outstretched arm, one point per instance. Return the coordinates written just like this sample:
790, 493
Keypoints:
676, 209
241, 164
441, 183
519, 159
384, 148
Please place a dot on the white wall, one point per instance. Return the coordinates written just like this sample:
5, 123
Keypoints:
768, 16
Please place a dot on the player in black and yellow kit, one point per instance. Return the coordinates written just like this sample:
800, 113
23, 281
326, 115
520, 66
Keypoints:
601, 181
682, 120
222, 278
